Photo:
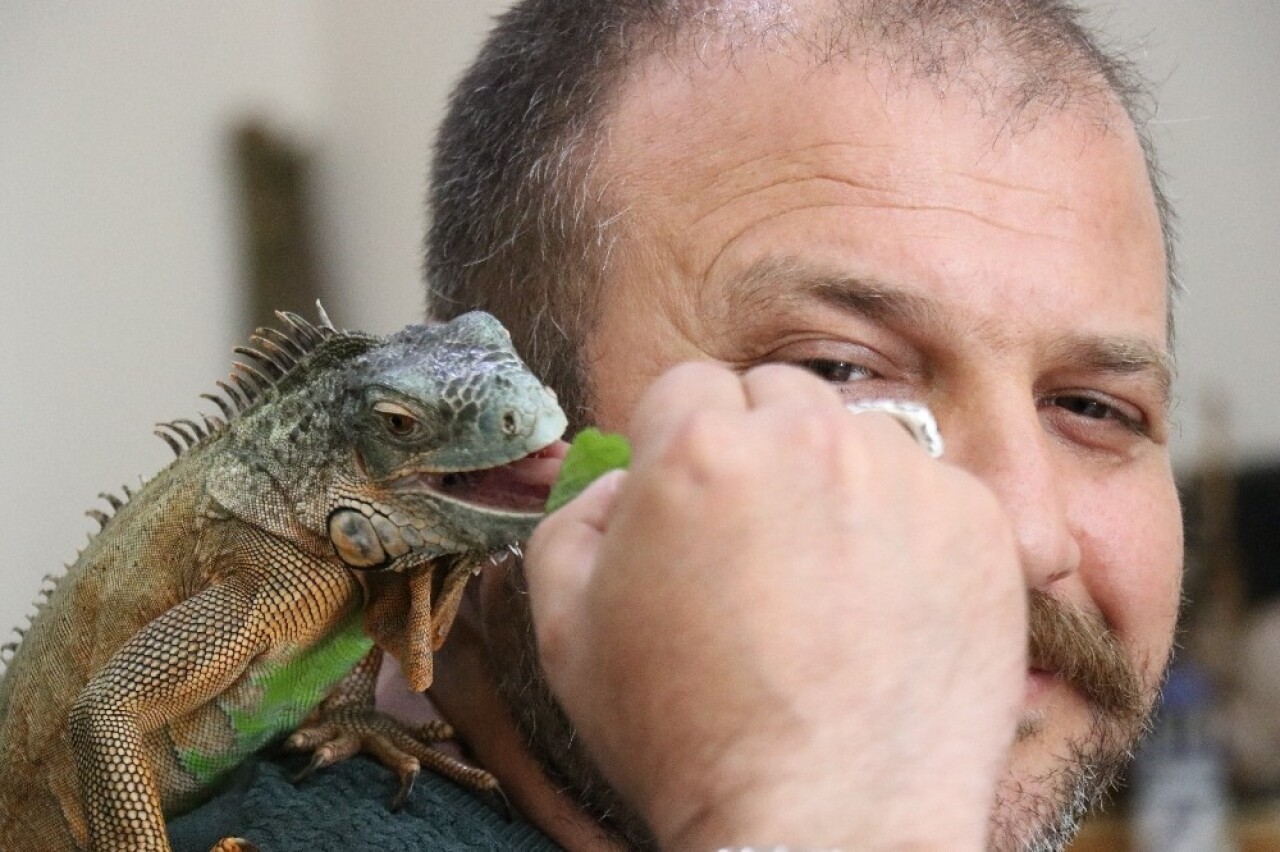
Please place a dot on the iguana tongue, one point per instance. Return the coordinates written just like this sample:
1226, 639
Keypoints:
521, 485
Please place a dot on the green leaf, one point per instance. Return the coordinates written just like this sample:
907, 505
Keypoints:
591, 455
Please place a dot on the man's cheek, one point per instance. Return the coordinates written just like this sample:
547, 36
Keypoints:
1134, 573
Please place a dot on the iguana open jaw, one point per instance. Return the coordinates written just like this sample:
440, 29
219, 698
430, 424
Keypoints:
518, 487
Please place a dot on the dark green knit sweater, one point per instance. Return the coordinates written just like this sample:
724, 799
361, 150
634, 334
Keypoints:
345, 807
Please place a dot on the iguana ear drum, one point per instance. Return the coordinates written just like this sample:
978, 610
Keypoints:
356, 540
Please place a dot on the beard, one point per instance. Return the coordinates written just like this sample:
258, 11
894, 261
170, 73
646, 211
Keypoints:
1044, 813
1040, 814
544, 727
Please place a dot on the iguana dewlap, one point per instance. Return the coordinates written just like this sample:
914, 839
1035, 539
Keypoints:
253, 584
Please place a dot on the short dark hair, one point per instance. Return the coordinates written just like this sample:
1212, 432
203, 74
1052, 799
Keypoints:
520, 229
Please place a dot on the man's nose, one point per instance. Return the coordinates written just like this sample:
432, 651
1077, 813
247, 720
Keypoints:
1008, 448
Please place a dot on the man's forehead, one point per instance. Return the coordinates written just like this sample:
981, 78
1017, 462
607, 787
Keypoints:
704, 141
694, 144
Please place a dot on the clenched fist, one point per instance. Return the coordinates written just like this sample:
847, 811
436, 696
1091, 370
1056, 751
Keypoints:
785, 624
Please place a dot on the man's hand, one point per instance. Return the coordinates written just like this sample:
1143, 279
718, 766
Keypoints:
785, 624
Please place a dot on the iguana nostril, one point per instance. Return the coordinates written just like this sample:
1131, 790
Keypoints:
510, 422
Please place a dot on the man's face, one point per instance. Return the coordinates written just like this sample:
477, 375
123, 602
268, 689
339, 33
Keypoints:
906, 245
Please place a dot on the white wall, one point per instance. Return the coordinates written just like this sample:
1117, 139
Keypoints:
386, 69
1219, 133
118, 262
118, 242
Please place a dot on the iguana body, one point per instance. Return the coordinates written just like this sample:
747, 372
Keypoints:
248, 582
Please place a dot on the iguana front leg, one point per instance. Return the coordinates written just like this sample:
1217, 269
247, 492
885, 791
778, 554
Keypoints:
407, 617
175, 664
348, 723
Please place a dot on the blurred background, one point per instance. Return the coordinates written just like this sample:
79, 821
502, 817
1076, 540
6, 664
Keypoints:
161, 162
126, 268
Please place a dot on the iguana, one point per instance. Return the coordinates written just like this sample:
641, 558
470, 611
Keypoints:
253, 584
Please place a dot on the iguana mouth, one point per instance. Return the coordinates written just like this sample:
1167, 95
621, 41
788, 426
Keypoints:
518, 486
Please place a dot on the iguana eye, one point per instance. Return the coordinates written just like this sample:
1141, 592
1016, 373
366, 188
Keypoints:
396, 418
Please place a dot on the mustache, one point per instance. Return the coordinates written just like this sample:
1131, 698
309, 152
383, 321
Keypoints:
1081, 649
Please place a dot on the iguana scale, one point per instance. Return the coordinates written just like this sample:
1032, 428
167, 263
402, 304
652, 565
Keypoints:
253, 584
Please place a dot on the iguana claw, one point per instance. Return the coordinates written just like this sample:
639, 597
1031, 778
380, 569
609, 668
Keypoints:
318, 761
345, 730
234, 844
499, 802
407, 781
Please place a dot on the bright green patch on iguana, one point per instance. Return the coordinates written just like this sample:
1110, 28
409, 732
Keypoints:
288, 692
591, 455
343, 499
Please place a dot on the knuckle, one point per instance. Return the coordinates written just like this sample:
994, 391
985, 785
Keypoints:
701, 442
821, 430
792, 379
889, 435
680, 379
781, 372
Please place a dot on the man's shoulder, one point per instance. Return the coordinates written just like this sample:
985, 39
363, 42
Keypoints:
346, 807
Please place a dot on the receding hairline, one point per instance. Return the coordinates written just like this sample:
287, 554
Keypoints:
993, 56
1012, 90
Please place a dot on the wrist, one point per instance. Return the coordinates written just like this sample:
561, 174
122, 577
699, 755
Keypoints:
817, 817
778, 848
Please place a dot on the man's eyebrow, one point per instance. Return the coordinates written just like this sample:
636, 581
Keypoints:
771, 282
1119, 355
768, 282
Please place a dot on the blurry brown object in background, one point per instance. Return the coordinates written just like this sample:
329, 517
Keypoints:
280, 271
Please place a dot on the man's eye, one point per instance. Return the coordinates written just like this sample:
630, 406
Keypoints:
835, 372
1095, 409
1084, 406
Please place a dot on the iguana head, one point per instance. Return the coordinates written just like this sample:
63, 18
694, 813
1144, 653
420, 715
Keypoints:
451, 445
433, 441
